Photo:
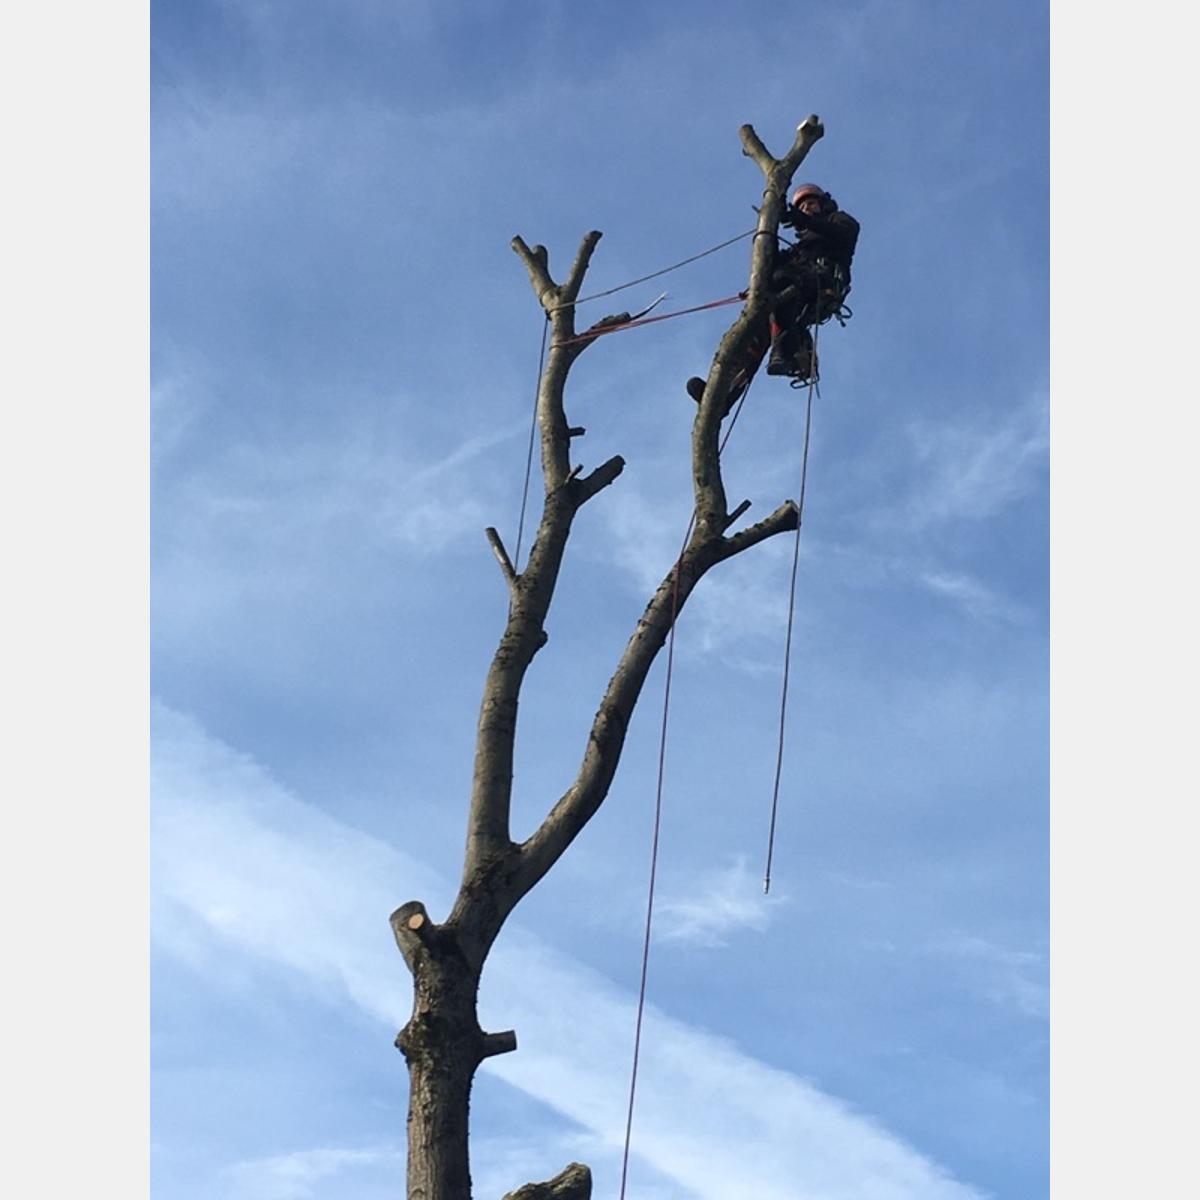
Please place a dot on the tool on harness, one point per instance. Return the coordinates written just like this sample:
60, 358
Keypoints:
793, 353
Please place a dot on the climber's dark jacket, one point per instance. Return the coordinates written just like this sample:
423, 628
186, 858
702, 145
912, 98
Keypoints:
829, 236
817, 264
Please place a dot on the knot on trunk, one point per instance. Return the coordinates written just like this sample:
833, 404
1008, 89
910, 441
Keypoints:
572, 1183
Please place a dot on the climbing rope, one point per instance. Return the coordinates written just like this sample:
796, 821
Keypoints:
628, 325
787, 653
658, 794
620, 326
529, 453
662, 753
655, 274
662, 748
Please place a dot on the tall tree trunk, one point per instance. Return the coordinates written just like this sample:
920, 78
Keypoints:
442, 1045
439, 1096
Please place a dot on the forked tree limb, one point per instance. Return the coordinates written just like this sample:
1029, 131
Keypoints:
751, 323
786, 517
706, 547
496, 872
488, 840
443, 1039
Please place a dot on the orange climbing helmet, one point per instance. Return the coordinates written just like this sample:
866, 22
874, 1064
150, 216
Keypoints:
809, 189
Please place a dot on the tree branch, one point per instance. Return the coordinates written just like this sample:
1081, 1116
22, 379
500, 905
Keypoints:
753, 148
707, 545
573, 1183
488, 839
492, 1044
785, 517
537, 264
750, 326
583, 257
808, 133
411, 928
510, 575
599, 479
607, 737
737, 512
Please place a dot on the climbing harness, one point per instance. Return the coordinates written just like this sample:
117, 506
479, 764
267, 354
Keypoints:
829, 305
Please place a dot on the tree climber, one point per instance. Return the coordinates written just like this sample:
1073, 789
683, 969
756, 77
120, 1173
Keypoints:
811, 277
809, 281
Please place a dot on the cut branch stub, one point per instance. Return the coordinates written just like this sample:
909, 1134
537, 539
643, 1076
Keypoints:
537, 263
510, 574
572, 1183
599, 479
808, 133
583, 257
737, 512
411, 928
492, 1044
753, 147
784, 518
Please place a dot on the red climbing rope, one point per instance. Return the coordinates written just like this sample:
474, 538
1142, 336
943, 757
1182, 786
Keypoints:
585, 337
620, 327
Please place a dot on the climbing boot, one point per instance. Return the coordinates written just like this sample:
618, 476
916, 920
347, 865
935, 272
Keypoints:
695, 388
803, 359
781, 360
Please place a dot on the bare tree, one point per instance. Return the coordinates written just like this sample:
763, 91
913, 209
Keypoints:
443, 1043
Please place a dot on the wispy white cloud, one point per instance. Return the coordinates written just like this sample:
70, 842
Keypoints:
972, 471
272, 21
972, 596
857, 882
280, 880
1009, 978
303, 1174
941, 474
715, 906
370, 1173
299, 491
174, 405
247, 527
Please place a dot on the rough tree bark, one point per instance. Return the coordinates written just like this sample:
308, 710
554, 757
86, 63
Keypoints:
443, 1043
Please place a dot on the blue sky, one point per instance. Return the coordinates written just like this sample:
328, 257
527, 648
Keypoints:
344, 353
